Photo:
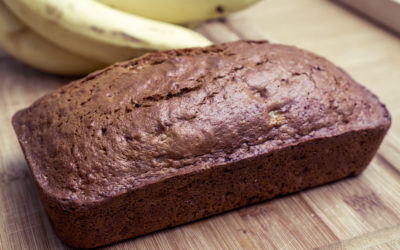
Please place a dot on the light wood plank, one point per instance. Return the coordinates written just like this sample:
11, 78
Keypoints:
359, 205
247, 30
218, 32
393, 245
347, 212
387, 238
390, 150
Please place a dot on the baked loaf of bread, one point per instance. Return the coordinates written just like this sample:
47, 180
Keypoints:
176, 136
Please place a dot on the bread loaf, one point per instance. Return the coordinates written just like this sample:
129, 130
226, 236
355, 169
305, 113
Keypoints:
180, 135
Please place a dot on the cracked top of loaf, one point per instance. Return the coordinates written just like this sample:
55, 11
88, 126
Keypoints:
181, 111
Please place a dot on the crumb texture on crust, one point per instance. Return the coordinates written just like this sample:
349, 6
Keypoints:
139, 121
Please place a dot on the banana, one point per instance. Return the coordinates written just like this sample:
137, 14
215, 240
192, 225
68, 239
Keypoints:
99, 32
32, 49
180, 11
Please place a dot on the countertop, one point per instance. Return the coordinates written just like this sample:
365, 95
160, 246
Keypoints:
357, 212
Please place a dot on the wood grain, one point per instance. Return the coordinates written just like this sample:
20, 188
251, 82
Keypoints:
387, 238
360, 212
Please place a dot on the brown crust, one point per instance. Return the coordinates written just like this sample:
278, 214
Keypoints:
175, 136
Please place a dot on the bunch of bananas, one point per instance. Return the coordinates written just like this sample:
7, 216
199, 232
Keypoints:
73, 37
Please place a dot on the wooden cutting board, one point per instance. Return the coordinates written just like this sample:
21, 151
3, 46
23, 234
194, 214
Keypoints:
359, 212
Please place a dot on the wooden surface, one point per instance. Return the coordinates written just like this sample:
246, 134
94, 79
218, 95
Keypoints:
361, 212
386, 12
